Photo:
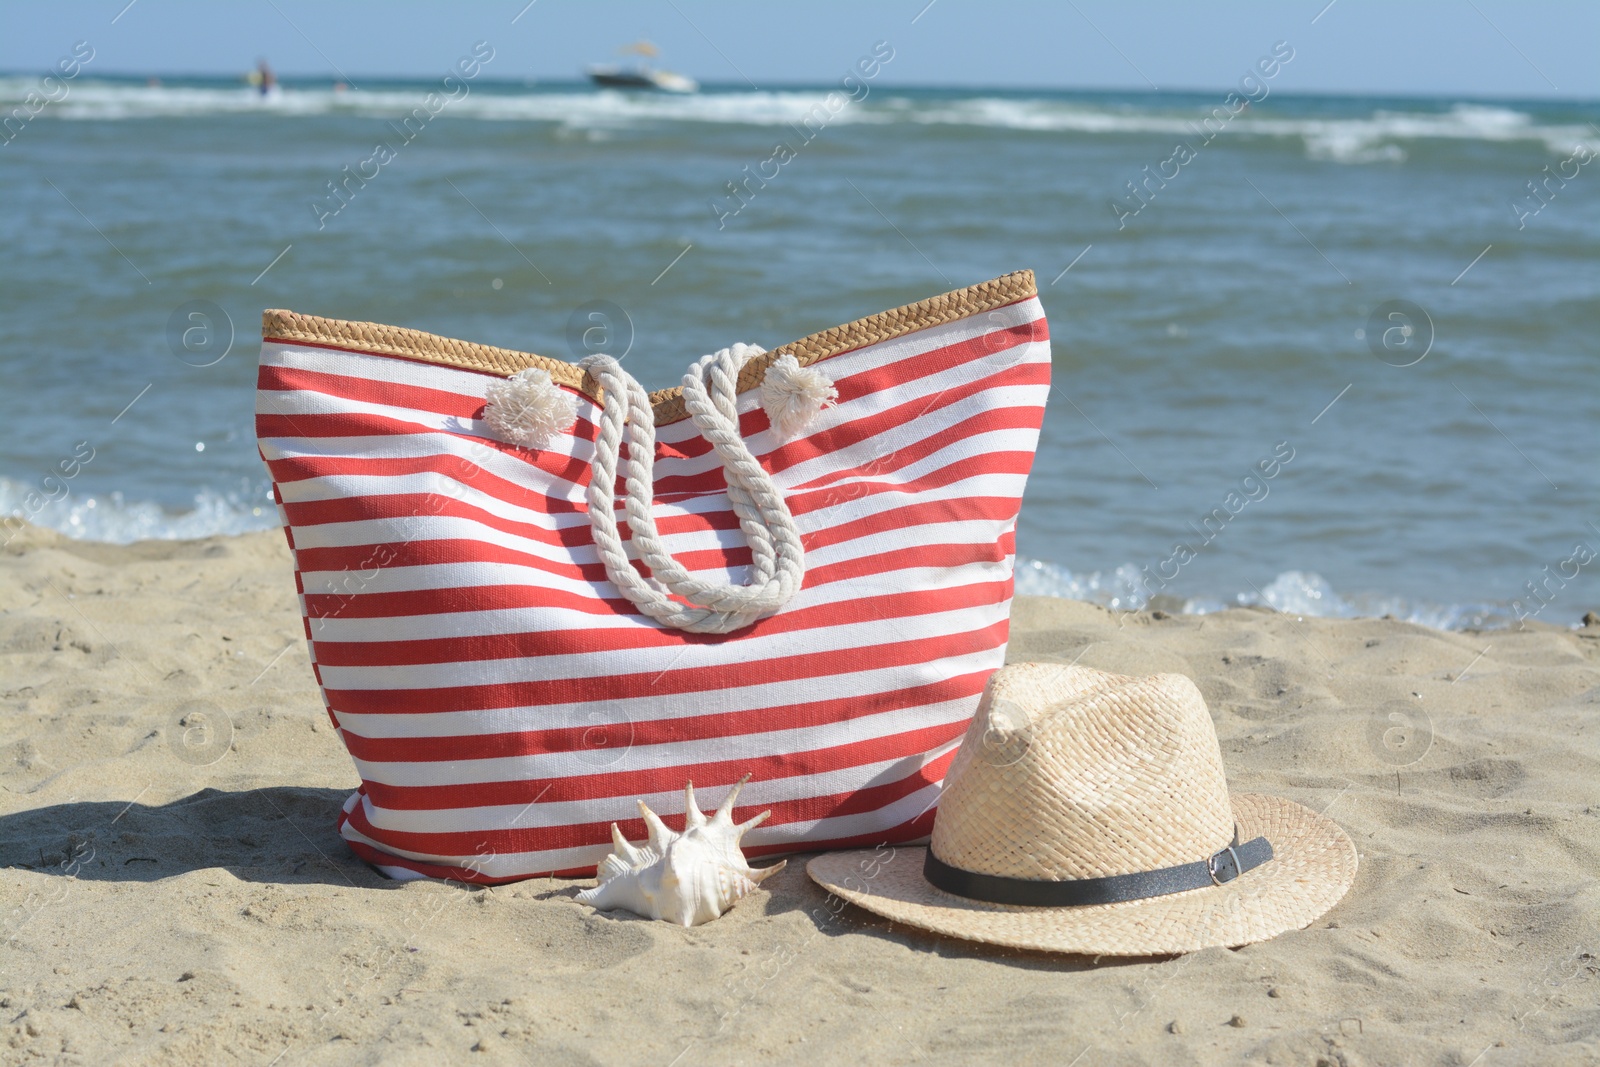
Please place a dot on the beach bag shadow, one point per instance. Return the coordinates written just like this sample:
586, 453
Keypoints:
258, 835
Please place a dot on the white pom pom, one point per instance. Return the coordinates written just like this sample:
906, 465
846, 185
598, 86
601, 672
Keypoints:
792, 395
528, 409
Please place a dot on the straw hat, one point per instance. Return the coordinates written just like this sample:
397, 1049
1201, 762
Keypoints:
1088, 812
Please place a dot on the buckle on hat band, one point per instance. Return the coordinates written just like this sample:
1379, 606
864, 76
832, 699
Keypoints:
1232, 872
1225, 866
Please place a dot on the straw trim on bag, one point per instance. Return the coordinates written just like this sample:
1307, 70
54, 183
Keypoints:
288, 326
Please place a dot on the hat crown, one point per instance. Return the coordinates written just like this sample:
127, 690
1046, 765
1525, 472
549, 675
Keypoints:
1068, 772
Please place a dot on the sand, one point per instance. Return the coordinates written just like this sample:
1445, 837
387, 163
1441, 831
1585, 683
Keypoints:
174, 891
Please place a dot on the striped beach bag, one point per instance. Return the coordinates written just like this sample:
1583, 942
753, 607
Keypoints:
534, 593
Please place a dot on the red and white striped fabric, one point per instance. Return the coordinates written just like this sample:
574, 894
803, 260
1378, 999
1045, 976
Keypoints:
504, 704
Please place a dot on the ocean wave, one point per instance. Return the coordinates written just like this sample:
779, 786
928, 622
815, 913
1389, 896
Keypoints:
1378, 137
1291, 592
114, 519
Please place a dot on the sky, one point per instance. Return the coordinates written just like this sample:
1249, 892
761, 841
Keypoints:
1463, 48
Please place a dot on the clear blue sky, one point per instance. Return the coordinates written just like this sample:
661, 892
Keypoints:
1517, 48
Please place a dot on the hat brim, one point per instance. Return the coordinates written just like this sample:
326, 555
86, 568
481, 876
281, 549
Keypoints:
1313, 864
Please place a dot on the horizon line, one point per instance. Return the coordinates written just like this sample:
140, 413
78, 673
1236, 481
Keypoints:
580, 80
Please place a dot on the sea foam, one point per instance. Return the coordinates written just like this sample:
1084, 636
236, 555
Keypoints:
1290, 592
113, 519
1380, 137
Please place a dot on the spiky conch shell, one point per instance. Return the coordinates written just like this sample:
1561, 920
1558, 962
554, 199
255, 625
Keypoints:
688, 878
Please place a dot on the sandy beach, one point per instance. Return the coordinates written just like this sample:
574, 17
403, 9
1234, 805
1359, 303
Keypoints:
175, 893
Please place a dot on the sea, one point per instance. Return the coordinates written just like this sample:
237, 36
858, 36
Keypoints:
1336, 355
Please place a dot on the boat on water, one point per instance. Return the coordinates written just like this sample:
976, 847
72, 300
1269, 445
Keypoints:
641, 76
646, 78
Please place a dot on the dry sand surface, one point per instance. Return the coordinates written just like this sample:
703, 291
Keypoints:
174, 891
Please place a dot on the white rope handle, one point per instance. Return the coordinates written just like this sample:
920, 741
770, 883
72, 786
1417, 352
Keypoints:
710, 393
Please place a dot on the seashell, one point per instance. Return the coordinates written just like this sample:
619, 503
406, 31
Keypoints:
688, 878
